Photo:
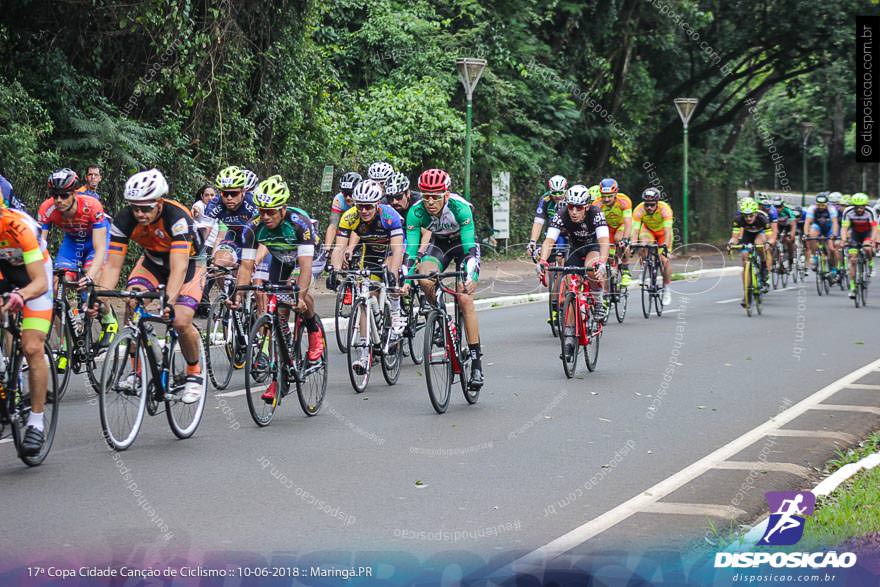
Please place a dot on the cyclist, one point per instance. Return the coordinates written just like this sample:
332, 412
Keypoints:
450, 219
380, 172
547, 204
166, 231
341, 203
86, 237
750, 228
287, 235
398, 194
588, 239
26, 274
821, 220
10, 200
234, 208
786, 225
93, 179
250, 181
766, 206
858, 226
617, 209
379, 231
656, 217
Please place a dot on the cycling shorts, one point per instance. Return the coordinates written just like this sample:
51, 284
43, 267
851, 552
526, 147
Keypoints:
657, 236
37, 312
75, 254
442, 252
824, 229
148, 275
858, 237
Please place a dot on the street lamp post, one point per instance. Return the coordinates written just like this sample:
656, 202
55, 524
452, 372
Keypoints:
685, 108
826, 141
806, 129
469, 72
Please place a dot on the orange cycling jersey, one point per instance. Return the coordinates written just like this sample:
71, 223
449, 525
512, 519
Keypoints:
172, 232
20, 241
619, 209
660, 219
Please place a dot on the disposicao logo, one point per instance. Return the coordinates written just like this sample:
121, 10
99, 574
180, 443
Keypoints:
787, 510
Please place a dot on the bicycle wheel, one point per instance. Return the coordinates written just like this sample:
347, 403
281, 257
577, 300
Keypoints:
646, 284
438, 365
570, 335
621, 300
658, 304
60, 341
359, 346
464, 359
747, 288
262, 371
591, 349
342, 313
183, 418
220, 344
415, 326
391, 359
785, 267
756, 293
311, 379
92, 333
553, 302
122, 394
50, 410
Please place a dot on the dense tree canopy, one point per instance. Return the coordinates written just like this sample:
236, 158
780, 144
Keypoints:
579, 88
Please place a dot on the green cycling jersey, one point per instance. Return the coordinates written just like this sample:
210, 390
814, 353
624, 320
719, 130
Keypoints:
456, 219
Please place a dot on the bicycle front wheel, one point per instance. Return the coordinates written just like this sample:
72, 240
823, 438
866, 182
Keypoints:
50, 410
747, 289
646, 284
591, 349
122, 393
344, 299
438, 363
569, 335
359, 348
263, 373
553, 302
392, 351
311, 384
183, 418
61, 343
621, 299
415, 327
219, 337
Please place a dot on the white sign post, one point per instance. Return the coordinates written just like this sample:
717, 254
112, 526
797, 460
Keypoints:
501, 205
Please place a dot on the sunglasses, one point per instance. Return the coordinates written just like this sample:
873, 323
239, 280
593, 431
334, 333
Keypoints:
433, 195
231, 194
577, 207
269, 211
395, 196
366, 207
61, 195
142, 208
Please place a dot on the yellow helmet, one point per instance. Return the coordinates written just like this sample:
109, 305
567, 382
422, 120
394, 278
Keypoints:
231, 178
272, 192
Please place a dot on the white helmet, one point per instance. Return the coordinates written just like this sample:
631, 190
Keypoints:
578, 195
776, 200
557, 183
380, 171
251, 180
834, 197
146, 186
367, 192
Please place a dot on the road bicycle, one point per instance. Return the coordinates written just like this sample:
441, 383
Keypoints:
15, 393
277, 358
800, 260
751, 274
227, 328
824, 278
344, 304
652, 273
780, 269
444, 355
369, 329
862, 274
555, 292
579, 327
73, 336
414, 308
617, 293
145, 373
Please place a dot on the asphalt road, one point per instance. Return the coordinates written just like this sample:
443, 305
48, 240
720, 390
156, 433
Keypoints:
536, 457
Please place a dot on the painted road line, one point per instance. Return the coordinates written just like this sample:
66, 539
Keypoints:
844, 437
727, 512
538, 558
739, 299
791, 468
231, 393
841, 408
862, 386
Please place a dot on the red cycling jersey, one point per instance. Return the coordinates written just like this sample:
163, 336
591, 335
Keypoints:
89, 214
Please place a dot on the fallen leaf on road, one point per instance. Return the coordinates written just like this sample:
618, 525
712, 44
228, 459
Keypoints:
420, 483
727, 365
701, 407
593, 393
860, 342
604, 420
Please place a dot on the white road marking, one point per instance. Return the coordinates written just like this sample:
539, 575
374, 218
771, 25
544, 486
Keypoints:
695, 509
739, 299
649, 497
765, 466
231, 393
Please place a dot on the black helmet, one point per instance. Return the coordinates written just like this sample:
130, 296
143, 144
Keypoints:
63, 180
348, 182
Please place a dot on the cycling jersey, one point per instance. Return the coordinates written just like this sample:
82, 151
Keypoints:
414, 198
861, 223
89, 215
338, 208
239, 235
619, 209
173, 231
20, 244
659, 220
375, 235
85, 190
456, 220
771, 212
10, 200
585, 233
821, 216
547, 208
294, 237
785, 216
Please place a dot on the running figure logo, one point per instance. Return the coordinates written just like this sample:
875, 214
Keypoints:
787, 510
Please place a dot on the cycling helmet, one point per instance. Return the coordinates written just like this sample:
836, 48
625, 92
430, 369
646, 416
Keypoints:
846, 199
608, 186
822, 198
578, 195
557, 183
231, 178
595, 192
348, 181
777, 200
251, 180
380, 171
748, 206
651, 195
859, 199
834, 197
762, 199
63, 180
146, 186
434, 180
272, 192
367, 192
396, 184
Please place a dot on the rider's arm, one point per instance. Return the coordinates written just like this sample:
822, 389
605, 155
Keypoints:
178, 261
116, 257
396, 258
305, 272
338, 252
413, 226
99, 243
547, 246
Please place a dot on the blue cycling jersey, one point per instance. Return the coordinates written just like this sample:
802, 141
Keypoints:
9, 197
238, 220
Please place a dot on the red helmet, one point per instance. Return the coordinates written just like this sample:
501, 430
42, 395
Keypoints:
434, 180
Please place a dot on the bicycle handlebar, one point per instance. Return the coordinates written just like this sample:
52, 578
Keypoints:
436, 276
573, 270
269, 287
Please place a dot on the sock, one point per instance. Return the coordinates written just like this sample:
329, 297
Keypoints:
312, 323
194, 369
36, 420
475, 352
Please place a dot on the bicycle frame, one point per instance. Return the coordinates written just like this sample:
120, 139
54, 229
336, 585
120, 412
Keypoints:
586, 301
453, 337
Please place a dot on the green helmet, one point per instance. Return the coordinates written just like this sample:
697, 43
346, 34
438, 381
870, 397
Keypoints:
748, 206
845, 199
231, 178
859, 199
272, 192
595, 192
